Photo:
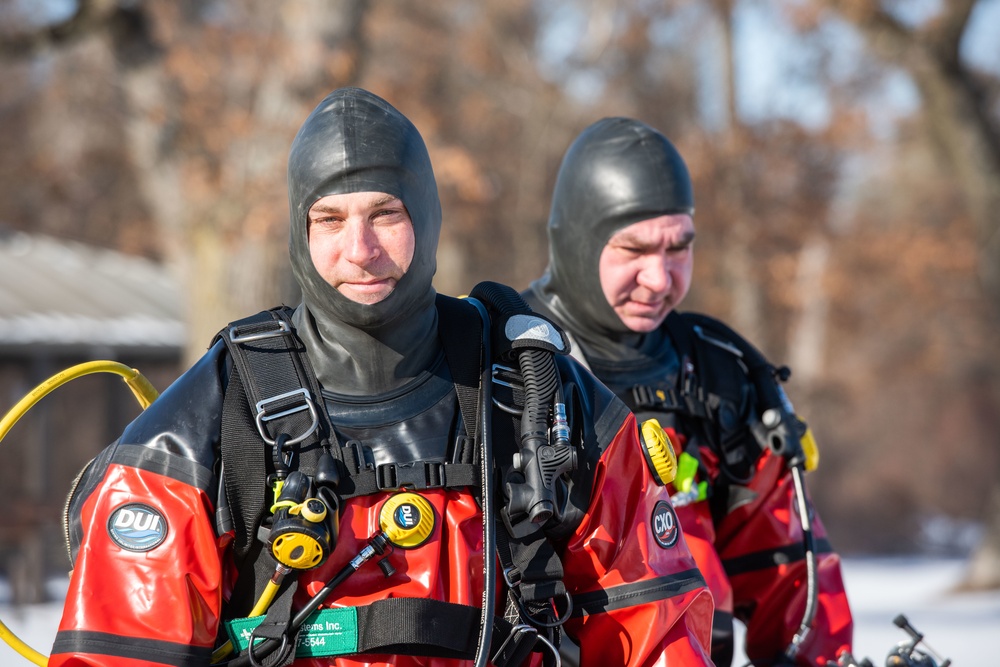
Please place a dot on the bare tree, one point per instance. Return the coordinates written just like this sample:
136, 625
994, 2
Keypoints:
211, 94
958, 105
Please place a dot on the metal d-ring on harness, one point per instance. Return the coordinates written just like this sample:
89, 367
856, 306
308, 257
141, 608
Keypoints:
274, 381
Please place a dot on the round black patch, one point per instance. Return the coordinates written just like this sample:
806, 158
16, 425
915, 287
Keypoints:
137, 527
407, 516
666, 529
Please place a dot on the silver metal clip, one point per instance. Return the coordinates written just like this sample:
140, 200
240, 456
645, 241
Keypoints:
307, 404
283, 330
500, 368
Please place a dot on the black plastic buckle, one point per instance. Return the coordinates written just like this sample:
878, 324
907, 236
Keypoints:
418, 475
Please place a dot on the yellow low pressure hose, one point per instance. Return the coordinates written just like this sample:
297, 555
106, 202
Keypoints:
15, 643
143, 392
263, 602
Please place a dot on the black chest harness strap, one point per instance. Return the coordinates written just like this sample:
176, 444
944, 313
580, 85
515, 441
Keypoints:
688, 398
273, 395
710, 404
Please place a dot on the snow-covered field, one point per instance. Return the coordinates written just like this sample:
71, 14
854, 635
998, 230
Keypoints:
959, 626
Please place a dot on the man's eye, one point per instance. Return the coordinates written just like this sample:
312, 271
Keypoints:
325, 221
388, 217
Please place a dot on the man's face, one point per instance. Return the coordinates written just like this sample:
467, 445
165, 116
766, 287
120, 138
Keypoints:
645, 269
361, 243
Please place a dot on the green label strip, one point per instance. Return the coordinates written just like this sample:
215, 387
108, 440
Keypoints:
326, 632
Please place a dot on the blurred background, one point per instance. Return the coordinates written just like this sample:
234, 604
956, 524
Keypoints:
845, 155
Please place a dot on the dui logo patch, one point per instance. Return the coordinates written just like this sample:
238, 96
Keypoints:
664, 523
407, 516
137, 527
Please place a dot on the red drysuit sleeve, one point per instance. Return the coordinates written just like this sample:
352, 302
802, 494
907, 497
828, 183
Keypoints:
760, 543
638, 596
146, 583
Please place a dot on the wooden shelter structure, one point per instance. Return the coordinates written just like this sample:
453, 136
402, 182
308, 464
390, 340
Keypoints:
63, 303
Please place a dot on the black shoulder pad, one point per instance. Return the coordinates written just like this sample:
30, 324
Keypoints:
714, 332
514, 325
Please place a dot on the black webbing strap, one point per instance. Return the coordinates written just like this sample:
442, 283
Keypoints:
510, 643
362, 479
284, 393
691, 401
531, 566
680, 333
271, 391
418, 626
461, 332
244, 467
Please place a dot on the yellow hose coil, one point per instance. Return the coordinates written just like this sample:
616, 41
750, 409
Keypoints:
144, 393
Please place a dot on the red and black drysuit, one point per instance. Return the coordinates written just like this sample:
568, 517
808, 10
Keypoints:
163, 605
746, 536
153, 572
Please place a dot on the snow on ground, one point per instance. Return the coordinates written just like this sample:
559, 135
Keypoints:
959, 626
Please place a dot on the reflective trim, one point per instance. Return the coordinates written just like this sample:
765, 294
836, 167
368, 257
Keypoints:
149, 650
633, 595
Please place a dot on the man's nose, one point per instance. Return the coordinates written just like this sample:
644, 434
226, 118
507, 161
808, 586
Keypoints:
362, 243
655, 274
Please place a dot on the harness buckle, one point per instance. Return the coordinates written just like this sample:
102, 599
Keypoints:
643, 396
419, 475
499, 369
283, 330
512, 576
281, 402
516, 646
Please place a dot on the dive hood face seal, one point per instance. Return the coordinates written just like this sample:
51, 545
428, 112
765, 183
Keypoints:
619, 171
354, 141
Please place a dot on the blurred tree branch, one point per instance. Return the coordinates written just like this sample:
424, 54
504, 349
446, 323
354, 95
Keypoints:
966, 133
956, 106
91, 16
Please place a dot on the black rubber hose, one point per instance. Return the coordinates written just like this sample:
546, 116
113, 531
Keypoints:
485, 431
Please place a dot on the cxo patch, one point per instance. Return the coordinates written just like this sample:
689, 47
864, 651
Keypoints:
666, 529
137, 527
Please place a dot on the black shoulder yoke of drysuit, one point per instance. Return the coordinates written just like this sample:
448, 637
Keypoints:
273, 391
715, 396
288, 401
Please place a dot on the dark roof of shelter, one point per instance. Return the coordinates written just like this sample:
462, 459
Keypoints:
59, 293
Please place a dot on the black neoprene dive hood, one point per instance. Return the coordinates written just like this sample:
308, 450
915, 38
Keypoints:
354, 141
619, 171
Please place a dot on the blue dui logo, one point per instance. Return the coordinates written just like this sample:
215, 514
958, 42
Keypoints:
407, 515
137, 527
665, 525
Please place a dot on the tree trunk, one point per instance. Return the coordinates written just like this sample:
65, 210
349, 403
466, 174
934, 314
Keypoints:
223, 215
965, 134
